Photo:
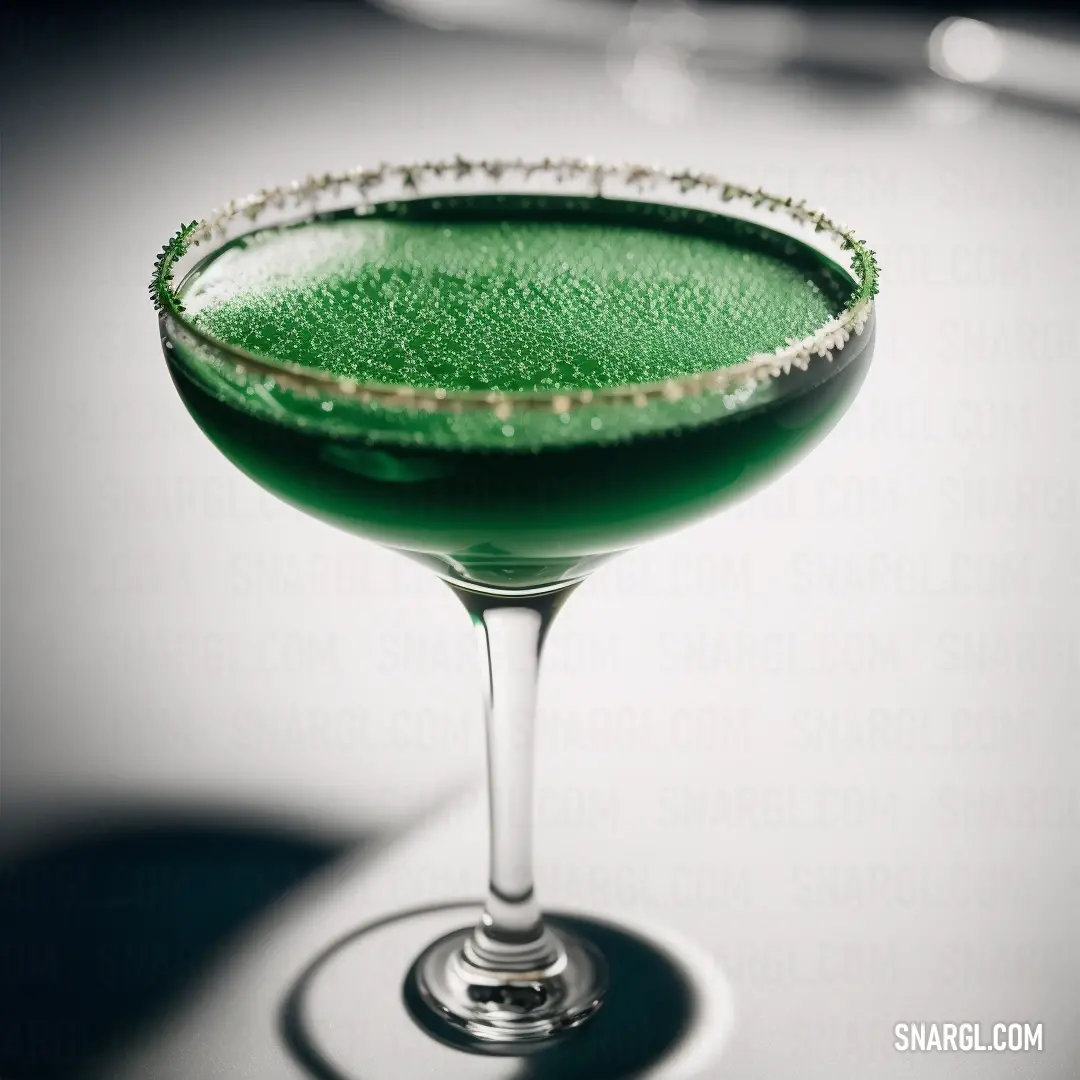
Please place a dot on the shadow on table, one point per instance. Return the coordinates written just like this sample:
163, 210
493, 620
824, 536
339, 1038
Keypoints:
660, 1013
647, 1014
101, 928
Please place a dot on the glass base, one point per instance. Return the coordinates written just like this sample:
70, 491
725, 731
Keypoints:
502, 1010
358, 1012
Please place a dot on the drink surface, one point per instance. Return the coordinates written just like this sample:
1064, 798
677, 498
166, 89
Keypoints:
461, 302
513, 294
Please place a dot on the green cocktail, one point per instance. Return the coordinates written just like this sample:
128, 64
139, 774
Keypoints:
511, 371
509, 294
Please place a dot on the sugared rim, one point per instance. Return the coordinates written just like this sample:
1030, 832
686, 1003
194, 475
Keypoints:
386, 182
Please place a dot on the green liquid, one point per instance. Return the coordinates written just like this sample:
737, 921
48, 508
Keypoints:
512, 294
512, 305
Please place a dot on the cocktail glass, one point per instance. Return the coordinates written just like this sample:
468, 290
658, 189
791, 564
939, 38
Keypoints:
513, 498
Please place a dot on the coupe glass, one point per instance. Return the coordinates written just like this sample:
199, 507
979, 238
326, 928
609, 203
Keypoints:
513, 499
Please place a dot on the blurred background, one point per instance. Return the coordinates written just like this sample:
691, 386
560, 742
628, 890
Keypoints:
830, 735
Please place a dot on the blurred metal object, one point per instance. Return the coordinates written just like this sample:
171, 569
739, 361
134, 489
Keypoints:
1014, 61
654, 47
566, 20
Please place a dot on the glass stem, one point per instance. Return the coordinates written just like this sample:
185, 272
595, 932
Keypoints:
511, 938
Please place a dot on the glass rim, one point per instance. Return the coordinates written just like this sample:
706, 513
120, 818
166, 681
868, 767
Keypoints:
403, 182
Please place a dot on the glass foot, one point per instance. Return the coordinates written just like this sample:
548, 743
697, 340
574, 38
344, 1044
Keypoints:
358, 1013
565, 988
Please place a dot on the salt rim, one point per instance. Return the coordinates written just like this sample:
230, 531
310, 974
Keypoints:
757, 369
